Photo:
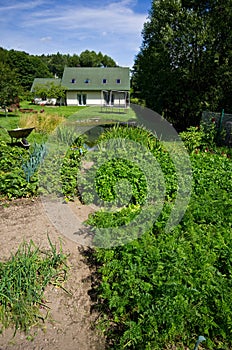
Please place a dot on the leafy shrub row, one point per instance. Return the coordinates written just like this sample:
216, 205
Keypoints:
26, 173
13, 181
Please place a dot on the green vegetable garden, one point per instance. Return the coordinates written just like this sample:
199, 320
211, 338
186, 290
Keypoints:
160, 289
161, 253
164, 289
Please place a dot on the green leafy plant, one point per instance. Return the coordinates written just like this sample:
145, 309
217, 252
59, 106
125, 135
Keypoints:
58, 173
203, 137
32, 164
13, 183
192, 138
24, 173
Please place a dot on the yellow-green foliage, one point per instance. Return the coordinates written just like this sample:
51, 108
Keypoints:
43, 122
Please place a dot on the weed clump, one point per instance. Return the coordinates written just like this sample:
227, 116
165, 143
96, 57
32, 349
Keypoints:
23, 279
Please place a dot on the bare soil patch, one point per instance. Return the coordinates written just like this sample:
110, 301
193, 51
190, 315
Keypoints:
70, 325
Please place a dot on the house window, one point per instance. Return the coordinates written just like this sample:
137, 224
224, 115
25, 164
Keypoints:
104, 81
87, 81
73, 81
118, 81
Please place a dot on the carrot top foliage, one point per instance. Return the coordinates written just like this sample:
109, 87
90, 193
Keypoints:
164, 289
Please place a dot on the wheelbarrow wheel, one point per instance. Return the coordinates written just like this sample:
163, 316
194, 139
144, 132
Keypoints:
25, 143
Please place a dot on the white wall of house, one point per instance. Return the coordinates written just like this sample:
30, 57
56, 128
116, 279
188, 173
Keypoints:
71, 98
119, 98
92, 98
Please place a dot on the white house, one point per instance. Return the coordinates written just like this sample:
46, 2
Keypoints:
88, 86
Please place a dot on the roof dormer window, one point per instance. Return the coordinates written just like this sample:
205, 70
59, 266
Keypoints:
87, 81
104, 81
118, 81
73, 81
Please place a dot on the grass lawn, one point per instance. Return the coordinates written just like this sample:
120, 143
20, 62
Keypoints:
64, 111
87, 115
95, 113
82, 112
9, 122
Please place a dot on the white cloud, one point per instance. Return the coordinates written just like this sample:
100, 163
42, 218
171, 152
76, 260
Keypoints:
25, 5
46, 38
115, 17
112, 27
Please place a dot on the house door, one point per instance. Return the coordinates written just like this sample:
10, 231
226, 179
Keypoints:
108, 97
82, 99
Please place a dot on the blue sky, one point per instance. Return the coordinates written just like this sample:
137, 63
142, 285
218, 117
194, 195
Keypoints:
69, 26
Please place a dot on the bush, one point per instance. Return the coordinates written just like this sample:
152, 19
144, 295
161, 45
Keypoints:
13, 182
138, 101
199, 138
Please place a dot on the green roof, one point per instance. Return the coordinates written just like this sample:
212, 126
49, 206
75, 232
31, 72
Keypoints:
95, 78
45, 81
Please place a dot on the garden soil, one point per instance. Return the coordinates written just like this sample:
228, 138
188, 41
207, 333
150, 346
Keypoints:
71, 321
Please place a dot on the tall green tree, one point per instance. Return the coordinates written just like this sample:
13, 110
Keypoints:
107, 61
93, 59
89, 59
27, 66
56, 63
9, 86
74, 61
185, 62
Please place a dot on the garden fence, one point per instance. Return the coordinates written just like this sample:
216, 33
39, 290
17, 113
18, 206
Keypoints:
223, 124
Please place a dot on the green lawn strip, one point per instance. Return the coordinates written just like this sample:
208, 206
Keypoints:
64, 111
23, 280
73, 113
95, 113
82, 112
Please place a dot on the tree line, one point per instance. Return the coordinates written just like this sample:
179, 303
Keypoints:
27, 67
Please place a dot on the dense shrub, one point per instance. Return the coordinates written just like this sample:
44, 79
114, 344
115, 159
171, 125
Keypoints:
13, 182
25, 173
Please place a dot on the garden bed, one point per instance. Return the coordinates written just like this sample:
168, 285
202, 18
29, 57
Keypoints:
69, 325
27, 110
163, 289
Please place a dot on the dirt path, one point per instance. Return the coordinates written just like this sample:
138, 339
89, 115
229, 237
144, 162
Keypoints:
72, 328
